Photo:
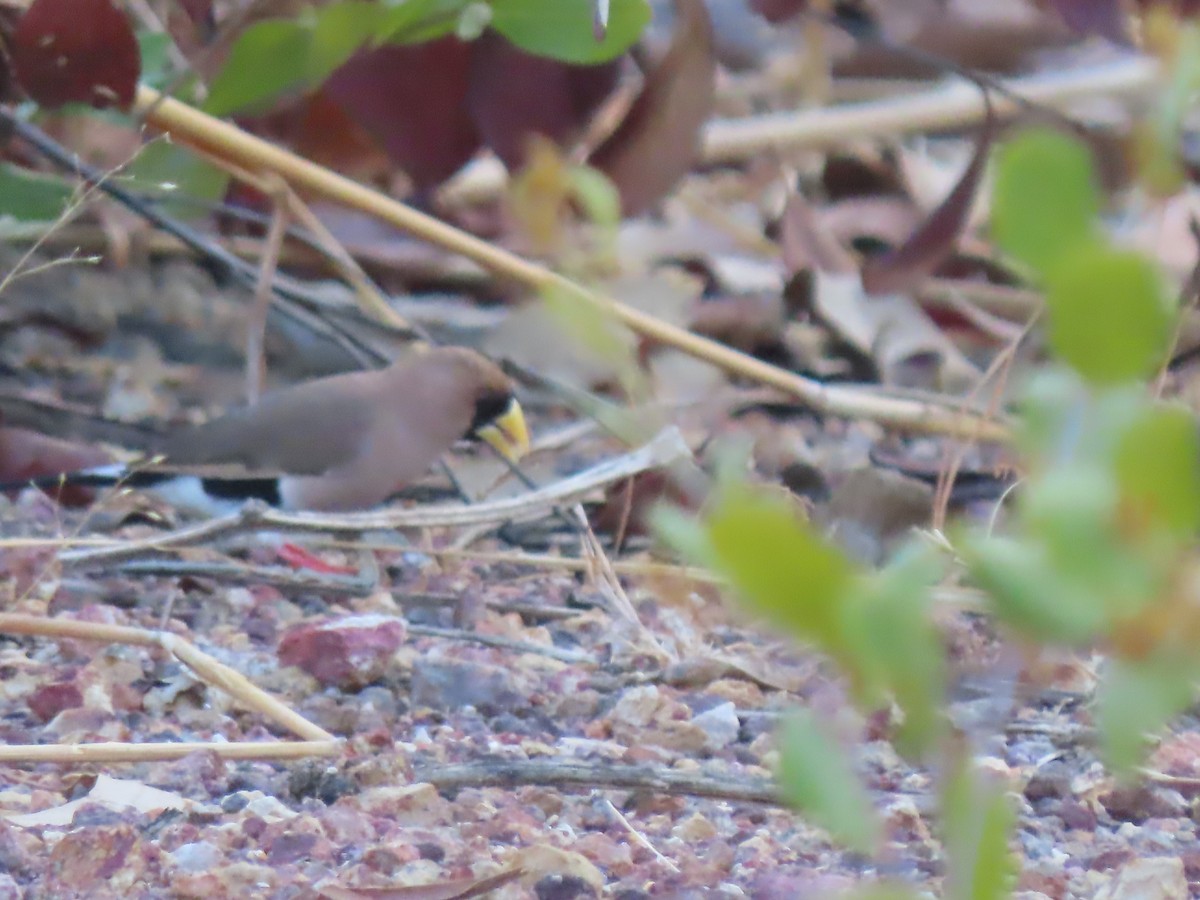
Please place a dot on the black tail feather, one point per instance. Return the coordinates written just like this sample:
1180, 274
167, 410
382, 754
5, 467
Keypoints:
266, 489
100, 477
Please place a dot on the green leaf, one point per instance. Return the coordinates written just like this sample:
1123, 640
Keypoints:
277, 55
781, 569
172, 171
31, 197
1044, 199
978, 818
597, 195
594, 328
1158, 467
1136, 700
1052, 396
1029, 593
1071, 512
154, 47
416, 21
683, 532
562, 29
888, 621
815, 776
268, 58
340, 29
1110, 317
601, 203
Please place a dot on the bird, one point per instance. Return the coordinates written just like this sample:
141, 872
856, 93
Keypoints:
340, 443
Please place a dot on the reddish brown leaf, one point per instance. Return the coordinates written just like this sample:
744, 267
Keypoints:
76, 51
513, 94
412, 99
657, 142
320, 129
905, 266
1105, 18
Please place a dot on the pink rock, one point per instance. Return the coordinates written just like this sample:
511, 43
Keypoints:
49, 700
349, 653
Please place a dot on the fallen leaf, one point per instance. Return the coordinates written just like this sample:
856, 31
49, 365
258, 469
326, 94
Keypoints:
410, 98
894, 333
658, 140
904, 267
778, 10
752, 323
76, 51
115, 794
883, 220
1152, 878
513, 95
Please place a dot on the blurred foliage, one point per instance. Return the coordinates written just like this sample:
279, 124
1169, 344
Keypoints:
1099, 552
297, 53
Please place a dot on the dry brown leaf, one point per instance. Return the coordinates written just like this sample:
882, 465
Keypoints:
111, 793
932, 241
906, 347
658, 140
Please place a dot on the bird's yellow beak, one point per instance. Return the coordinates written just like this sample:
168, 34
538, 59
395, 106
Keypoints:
508, 432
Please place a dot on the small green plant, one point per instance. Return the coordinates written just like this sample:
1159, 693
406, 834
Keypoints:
298, 53
1100, 551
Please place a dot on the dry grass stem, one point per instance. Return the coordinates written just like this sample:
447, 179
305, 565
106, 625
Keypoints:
209, 670
621, 567
954, 105
191, 126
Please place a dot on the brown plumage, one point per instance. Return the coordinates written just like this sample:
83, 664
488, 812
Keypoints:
344, 442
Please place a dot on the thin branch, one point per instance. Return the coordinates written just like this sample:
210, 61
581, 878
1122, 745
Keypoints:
503, 643
293, 301
256, 327
570, 773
